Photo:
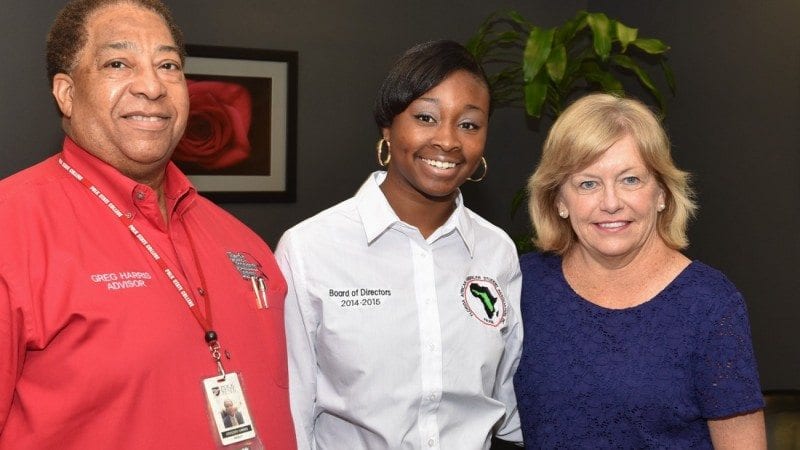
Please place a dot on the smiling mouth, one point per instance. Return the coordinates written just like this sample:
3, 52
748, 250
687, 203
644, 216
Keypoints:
146, 118
439, 164
612, 225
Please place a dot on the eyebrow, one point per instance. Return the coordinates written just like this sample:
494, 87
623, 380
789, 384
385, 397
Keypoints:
128, 45
587, 173
436, 102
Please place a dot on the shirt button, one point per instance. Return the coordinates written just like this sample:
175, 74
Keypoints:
432, 347
140, 195
431, 442
432, 397
128, 215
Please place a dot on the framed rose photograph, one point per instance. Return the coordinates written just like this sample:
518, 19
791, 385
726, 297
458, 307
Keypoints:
240, 139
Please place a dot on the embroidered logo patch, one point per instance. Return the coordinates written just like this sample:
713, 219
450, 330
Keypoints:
483, 300
246, 264
250, 269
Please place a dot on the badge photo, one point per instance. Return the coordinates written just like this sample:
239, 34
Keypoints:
228, 409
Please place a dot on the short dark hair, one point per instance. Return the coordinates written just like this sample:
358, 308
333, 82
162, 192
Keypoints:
67, 36
418, 70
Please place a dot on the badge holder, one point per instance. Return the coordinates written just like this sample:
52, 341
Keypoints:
230, 419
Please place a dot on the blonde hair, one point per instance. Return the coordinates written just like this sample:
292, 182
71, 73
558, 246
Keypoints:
580, 136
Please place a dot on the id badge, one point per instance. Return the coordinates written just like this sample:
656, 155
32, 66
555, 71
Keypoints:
231, 419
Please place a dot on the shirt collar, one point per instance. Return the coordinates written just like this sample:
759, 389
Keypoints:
123, 191
377, 215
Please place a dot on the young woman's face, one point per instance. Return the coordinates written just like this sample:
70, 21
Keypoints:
437, 142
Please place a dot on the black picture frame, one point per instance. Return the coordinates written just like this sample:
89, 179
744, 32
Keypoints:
256, 165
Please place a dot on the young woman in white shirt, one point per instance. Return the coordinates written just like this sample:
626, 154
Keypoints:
402, 312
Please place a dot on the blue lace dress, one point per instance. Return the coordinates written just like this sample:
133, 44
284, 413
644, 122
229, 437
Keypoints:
649, 376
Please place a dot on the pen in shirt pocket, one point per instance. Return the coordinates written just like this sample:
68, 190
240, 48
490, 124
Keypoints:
260, 290
250, 269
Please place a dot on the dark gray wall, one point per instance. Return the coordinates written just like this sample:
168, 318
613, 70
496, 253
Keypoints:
345, 48
733, 123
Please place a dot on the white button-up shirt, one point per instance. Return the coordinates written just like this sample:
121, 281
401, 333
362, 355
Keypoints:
396, 341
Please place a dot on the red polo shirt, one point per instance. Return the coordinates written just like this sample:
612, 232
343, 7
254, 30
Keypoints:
97, 348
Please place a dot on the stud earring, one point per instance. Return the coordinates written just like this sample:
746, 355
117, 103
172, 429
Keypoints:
661, 207
563, 213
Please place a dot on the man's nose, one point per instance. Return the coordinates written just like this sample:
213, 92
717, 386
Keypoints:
148, 83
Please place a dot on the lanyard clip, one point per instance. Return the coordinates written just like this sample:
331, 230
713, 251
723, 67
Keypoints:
220, 370
213, 347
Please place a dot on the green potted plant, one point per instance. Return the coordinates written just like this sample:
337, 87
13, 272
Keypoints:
541, 69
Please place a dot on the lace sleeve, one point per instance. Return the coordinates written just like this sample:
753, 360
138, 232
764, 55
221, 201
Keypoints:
726, 376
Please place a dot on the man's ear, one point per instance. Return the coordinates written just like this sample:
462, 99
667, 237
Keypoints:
63, 90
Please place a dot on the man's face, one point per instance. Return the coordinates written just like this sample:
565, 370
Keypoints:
229, 408
126, 100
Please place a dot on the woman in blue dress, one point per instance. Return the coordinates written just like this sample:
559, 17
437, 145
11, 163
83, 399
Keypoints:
628, 343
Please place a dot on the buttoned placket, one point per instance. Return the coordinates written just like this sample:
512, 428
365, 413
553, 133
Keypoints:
430, 341
173, 240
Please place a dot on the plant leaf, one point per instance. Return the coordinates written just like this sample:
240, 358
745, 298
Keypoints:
517, 17
524, 243
651, 46
536, 93
475, 47
668, 75
601, 31
593, 73
519, 198
477, 43
628, 63
507, 37
557, 63
625, 34
537, 49
570, 28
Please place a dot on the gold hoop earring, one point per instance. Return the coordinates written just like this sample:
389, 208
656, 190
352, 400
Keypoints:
485, 169
379, 147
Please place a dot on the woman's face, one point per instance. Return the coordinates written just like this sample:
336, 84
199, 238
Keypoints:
613, 204
437, 142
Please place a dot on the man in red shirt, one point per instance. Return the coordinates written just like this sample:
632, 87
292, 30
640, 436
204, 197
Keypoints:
131, 308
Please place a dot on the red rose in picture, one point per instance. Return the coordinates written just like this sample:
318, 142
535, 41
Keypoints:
219, 121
